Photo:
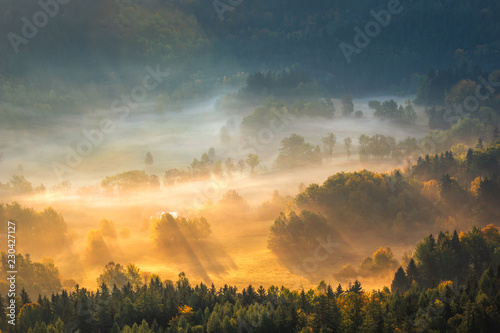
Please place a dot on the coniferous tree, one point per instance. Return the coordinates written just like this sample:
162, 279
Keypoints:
25, 298
356, 287
3, 318
411, 272
400, 281
339, 291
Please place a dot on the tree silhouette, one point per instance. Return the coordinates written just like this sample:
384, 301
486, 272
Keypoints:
400, 282
148, 159
253, 161
329, 142
347, 146
347, 105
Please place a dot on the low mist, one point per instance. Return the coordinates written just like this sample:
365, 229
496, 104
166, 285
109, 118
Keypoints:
238, 205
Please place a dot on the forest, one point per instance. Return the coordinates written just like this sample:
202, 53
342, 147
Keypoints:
243, 166
451, 284
196, 41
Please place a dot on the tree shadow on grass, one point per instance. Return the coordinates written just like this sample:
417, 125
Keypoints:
315, 264
204, 258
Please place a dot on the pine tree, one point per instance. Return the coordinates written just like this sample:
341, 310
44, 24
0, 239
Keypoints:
214, 324
25, 298
304, 303
148, 159
356, 287
104, 314
460, 266
262, 294
251, 295
352, 312
84, 311
479, 145
425, 254
496, 136
339, 291
374, 319
469, 158
115, 328
347, 147
326, 315
329, 292
3, 318
46, 309
411, 272
400, 282
347, 105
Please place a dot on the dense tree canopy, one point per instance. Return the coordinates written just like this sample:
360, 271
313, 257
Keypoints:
461, 292
114, 35
44, 233
295, 152
367, 199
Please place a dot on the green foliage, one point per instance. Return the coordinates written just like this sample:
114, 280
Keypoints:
400, 282
382, 262
452, 193
204, 167
454, 257
279, 84
294, 231
129, 181
366, 199
471, 301
329, 142
274, 113
467, 186
378, 146
148, 159
399, 202
390, 110
44, 233
110, 36
381, 146
295, 152
347, 105
463, 100
434, 167
120, 29
434, 86
168, 231
143, 328
36, 278
45, 102
347, 146
262, 116
119, 276
253, 161
18, 185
